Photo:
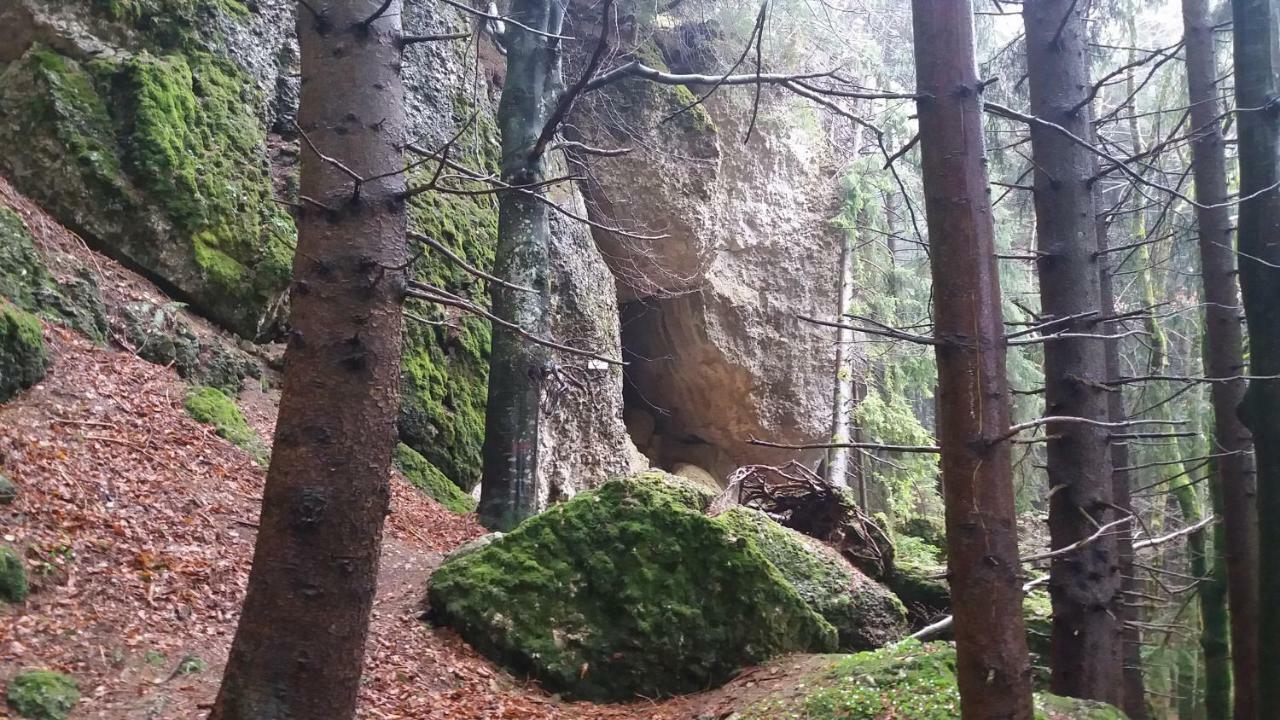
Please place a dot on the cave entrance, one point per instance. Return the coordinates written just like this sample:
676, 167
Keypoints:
663, 408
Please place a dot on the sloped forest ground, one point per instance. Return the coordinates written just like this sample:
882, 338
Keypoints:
139, 523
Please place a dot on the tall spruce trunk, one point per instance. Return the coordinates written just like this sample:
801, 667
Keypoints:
842, 404
299, 647
1134, 687
517, 368
1232, 475
1255, 33
993, 668
1085, 657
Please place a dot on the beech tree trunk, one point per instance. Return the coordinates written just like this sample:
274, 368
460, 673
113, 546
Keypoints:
1254, 28
1232, 482
993, 668
1085, 657
517, 368
299, 646
842, 405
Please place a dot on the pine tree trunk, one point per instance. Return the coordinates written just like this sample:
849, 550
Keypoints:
1134, 689
843, 401
299, 647
517, 368
1232, 481
1085, 657
993, 668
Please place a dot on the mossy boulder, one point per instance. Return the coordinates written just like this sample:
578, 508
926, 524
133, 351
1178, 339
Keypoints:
159, 160
905, 681
426, 477
42, 694
212, 406
13, 576
626, 590
922, 588
23, 357
26, 281
865, 613
159, 334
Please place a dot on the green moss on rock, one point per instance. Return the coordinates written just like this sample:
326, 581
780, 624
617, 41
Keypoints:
13, 576
23, 358
42, 695
922, 588
865, 614
26, 281
423, 475
445, 367
906, 681
212, 406
161, 161
8, 490
625, 590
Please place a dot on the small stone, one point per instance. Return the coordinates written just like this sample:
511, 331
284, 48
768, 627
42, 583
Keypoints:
8, 490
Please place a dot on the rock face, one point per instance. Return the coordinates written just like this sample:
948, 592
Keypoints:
626, 590
718, 355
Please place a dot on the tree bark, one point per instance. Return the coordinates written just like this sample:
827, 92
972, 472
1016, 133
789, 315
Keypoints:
1085, 657
517, 368
843, 400
299, 646
1232, 475
1134, 688
993, 668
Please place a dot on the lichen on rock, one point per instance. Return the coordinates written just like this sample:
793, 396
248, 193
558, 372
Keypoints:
625, 590
426, 477
42, 695
865, 613
23, 357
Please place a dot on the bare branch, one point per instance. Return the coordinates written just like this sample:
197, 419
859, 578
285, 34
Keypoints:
462, 263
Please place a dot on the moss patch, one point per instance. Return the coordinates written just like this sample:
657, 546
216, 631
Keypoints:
13, 576
212, 406
23, 358
165, 23
42, 695
625, 590
161, 160
424, 476
445, 368
865, 614
921, 588
907, 681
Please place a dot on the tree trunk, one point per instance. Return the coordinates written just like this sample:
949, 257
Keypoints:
842, 404
517, 368
993, 668
1134, 689
1085, 657
299, 647
1231, 487
1255, 35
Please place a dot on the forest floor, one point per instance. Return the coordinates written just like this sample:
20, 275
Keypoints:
139, 524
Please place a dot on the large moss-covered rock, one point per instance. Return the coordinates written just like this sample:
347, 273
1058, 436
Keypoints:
23, 358
865, 613
906, 681
160, 160
626, 590
159, 334
42, 695
26, 281
426, 477
922, 588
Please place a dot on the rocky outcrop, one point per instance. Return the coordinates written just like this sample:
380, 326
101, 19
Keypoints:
626, 590
720, 245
